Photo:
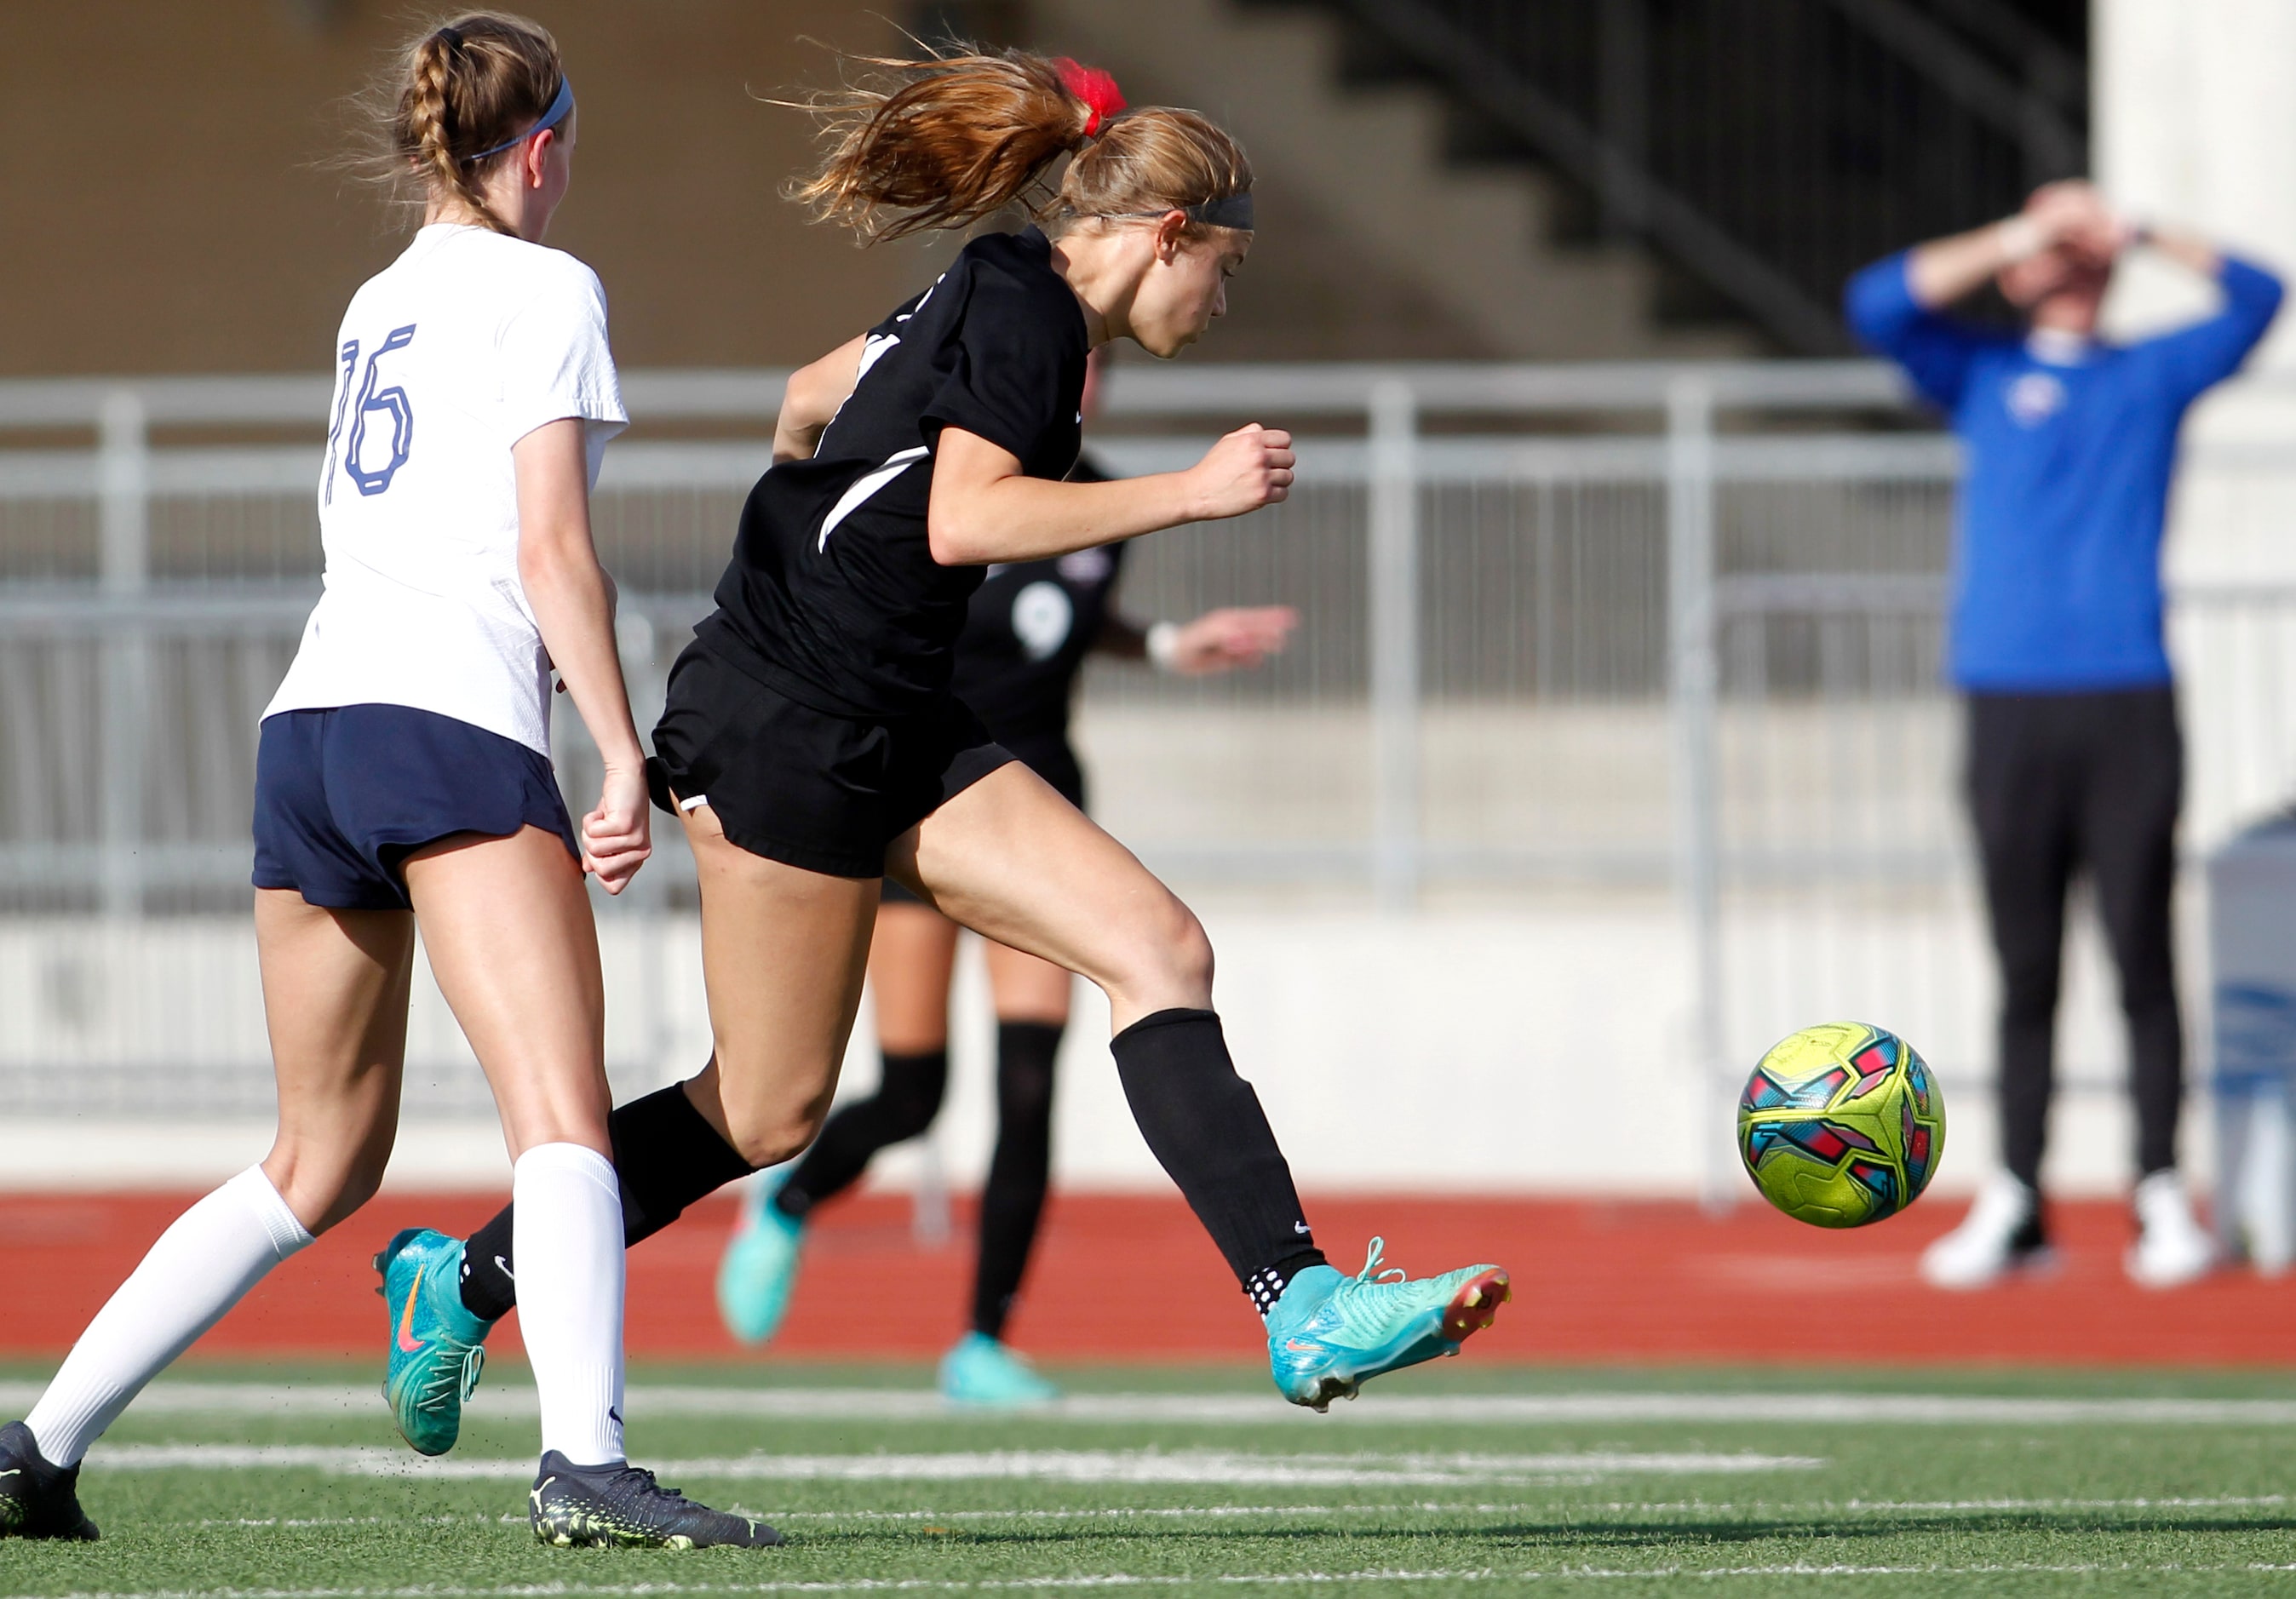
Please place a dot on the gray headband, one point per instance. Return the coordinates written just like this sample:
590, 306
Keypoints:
1230, 210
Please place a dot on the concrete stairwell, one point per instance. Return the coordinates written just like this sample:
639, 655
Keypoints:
1372, 244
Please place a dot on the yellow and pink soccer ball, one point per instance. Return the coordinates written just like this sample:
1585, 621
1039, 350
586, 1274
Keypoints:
1840, 1125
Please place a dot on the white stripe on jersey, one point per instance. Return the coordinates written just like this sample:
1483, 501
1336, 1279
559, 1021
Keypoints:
864, 485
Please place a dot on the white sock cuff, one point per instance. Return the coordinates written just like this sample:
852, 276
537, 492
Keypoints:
574, 1159
253, 1188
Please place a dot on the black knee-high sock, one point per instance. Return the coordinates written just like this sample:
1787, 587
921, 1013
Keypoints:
1012, 1201
666, 1154
1204, 1125
907, 1099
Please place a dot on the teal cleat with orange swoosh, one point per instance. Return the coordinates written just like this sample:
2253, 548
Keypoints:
437, 1345
1328, 1334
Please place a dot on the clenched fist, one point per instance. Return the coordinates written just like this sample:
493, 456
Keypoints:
1249, 468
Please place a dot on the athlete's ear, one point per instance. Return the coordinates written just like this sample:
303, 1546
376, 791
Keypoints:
1171, 233
532, 155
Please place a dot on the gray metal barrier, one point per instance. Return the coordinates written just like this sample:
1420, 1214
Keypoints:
1663, 634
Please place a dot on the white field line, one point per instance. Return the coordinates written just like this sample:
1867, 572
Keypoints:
1762, 1507
516, 1400
1194, 1467
1128, 1579
1184, 1512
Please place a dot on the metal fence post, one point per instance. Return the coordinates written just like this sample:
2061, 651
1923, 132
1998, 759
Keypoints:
1693, 684
124, 572
1394, 601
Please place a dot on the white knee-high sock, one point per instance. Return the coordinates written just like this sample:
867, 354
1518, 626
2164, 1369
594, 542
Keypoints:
566, 1235
202, 1266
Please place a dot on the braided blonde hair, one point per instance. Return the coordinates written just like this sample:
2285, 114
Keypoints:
461, 88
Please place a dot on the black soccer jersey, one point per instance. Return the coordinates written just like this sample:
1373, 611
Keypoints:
1027, 631
833, 596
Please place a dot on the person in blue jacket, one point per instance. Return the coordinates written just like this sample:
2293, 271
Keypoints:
2075, 760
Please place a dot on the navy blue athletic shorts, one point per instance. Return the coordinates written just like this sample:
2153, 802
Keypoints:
343, 796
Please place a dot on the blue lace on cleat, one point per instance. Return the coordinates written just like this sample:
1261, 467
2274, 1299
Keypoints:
437, 1345
1328, 1334
983, 1372
760, 1267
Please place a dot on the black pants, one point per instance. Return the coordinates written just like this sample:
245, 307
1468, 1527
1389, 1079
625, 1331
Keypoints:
2061, 783
906, 1101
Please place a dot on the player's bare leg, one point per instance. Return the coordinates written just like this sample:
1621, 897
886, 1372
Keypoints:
1012, 859
335, 985
784, 955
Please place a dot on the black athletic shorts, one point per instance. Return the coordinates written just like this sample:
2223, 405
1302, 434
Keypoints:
1051, 759
808, 788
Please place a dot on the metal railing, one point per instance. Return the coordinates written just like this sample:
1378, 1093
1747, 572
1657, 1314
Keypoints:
1769, 146
1669, 634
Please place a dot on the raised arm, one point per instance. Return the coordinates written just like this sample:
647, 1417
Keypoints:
1943, 270
1226, 640
812, 398
2195, 358
984, 508
573, 602
2188, 251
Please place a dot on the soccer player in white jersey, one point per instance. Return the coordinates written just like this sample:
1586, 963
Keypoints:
404, 775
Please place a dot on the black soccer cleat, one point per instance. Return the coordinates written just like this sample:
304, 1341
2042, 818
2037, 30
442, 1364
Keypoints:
36, 1499
621, 1507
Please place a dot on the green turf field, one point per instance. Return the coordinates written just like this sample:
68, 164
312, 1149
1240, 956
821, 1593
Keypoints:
264, 1483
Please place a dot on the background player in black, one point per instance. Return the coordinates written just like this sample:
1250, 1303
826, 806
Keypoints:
1030, 628
812, 745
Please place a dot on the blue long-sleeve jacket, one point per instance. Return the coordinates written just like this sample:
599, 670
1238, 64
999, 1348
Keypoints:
2065, 492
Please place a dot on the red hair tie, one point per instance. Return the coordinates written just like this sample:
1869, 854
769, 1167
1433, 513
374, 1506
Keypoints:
1097, 89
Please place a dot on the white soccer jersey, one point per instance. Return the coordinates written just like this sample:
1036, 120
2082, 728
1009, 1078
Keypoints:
448, 358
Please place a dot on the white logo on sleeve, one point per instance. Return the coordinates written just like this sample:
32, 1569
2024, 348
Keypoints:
2034, 398
1042, 616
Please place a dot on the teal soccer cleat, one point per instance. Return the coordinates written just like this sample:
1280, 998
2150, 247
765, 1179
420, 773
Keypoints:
759, 1267
1329, 1334
437, 1346
981, 1372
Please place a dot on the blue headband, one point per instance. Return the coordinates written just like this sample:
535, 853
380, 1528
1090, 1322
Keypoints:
561, 104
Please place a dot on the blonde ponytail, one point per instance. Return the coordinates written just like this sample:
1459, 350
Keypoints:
459, 92
940, 142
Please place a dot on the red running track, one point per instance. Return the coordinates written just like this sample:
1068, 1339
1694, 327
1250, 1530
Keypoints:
1133, 1278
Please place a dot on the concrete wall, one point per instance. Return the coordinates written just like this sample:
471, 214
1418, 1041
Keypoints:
173, 210
1526, 1044
2194, 125
166, 213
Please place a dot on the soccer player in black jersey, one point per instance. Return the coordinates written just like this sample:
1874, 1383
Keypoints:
1028, 629
812, 746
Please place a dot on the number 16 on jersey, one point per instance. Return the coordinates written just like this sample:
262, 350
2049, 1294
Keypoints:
391, 402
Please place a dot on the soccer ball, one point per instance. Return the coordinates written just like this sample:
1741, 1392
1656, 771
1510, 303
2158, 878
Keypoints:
1840, 1125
